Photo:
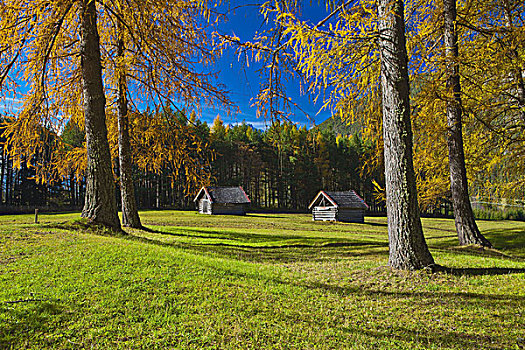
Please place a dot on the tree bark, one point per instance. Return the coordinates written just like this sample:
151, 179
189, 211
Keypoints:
130, 215
72, 198
100, 204
8, 181
408, 249
158, 185
520, 96
2, 173
468, 232
518, 70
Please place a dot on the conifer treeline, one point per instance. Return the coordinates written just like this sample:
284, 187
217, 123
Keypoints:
282, 167
285, 166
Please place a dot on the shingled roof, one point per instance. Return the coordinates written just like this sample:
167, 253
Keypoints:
341, 199
224, 195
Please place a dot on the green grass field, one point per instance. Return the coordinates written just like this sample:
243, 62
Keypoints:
272, 281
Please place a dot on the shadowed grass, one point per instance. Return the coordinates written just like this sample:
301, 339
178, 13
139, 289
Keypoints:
257, 282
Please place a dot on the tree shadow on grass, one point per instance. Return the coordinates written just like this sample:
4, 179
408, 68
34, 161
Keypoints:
250, 240
376, 224
265, 216
473, 271
440, 237
228, 235
422, 336
313, 250
292, 254
512, 239
268, 224
21, 323
466, 296
507, 243
453, 231
474, 251
296, 246
430, 336
149, 230
261, 247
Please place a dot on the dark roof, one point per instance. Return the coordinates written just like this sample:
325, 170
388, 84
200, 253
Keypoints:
347, 199
230, 195
342, 199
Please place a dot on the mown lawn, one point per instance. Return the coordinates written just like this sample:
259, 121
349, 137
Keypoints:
272, 281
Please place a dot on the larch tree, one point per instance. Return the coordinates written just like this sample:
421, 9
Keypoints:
481, 53
439, 114
100, 204
466, 227
164, 44
130, 214
155, 63
61, 51
169, 141
511, 9
425, 45
344, 57
493, 88
408, 249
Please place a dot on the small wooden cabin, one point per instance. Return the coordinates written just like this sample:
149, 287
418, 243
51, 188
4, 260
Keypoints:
222, 200
345, 206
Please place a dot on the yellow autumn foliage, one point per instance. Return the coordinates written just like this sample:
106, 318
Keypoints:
165, 42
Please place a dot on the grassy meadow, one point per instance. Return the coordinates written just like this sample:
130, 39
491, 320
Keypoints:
263, 281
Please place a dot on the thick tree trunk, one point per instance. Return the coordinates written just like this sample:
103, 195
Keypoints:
130, 215
408, 249
100, 204
468, 232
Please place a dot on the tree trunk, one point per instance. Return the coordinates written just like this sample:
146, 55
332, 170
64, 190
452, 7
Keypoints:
158, 185
2, 173
100, 204
468, 232
518, 70
408, 249
72, 198
518, 76
8, 180
130, 215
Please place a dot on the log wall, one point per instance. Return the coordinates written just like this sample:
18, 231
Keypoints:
324, 213
228, 209
338, 214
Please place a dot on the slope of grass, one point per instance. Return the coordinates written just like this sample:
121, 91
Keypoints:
256, 282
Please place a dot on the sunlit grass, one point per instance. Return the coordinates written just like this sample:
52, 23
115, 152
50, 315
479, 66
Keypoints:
259, 281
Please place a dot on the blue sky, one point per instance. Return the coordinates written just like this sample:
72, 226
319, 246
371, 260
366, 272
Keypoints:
10, 104
243, 81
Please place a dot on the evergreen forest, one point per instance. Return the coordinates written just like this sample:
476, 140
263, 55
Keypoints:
281, 168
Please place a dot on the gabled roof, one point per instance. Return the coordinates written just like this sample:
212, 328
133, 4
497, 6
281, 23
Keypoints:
341, 199
224, 195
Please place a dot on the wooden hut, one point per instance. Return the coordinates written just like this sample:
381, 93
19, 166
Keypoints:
222, 200
345, 206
